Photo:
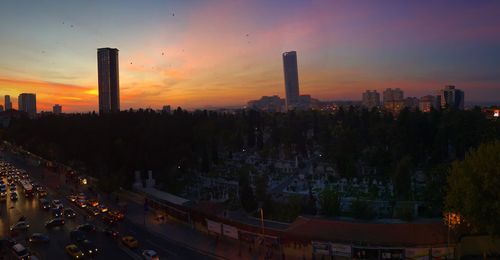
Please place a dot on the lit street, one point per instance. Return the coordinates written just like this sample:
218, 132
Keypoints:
12, 211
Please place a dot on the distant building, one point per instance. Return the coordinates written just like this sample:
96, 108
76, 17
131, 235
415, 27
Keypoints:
390, 95
267, 103
57, 109
27, 103
412, 103
108, 77
306, 102
1, 108
451, 97
166, 109
394, 100
427, 103
8, 103
291, 74
370, 99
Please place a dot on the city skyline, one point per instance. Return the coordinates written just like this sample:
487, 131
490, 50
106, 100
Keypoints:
191, 48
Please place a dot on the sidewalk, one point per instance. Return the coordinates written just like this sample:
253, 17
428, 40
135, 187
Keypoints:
223, 248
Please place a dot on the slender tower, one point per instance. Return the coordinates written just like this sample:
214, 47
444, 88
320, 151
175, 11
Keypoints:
291, 79
108, 76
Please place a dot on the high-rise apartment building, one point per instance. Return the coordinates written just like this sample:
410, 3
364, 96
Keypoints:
451, 97
8, 103
391, 95
371, 99
108, 77
427, 103
57, 109
394, 100
291, 79
27, 103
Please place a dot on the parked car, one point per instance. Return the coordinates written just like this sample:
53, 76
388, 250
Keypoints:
74, 251
130, 242
20, 225
150, 255
44, 204
87, 227
69, 213
88, 247
38, 238
20, 252
57, 204
55, 222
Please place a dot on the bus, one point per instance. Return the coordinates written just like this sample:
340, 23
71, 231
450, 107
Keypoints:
27, 188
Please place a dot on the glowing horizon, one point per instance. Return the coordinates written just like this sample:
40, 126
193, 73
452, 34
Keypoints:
197, 53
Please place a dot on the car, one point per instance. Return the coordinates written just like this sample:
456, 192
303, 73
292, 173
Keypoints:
57, 204
55, 222
20, 225
20, 252
3, 190
13, 196
93, 211
117, 215
81, 203
81, 196
74, 251
130, 242
72, 198
39, 238
77, 236
69, 213
88, 247
41, 192
57, 212
13, 187
44, 204
102, 208
111, 232
150, 255
93, 202
108, 220
87, 227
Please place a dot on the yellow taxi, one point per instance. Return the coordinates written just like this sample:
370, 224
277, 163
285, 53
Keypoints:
74, 251
130, 242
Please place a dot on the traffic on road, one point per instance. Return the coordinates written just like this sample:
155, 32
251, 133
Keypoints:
37, 223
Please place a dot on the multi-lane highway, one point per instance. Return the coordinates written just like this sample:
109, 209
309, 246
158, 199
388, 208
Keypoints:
29, 208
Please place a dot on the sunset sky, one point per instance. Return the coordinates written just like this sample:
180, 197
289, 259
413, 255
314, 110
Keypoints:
223, 53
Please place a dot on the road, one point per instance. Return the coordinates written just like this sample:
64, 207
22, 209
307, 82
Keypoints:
109, 248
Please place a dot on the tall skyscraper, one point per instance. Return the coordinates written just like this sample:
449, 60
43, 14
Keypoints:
27, 103
8, 103
291, 79
108, 76
57, 109
371, 99
451, 97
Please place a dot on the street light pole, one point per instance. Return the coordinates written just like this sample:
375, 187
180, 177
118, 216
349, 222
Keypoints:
262, 221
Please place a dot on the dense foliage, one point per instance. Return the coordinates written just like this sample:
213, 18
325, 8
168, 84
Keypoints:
474, 188
181, 143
